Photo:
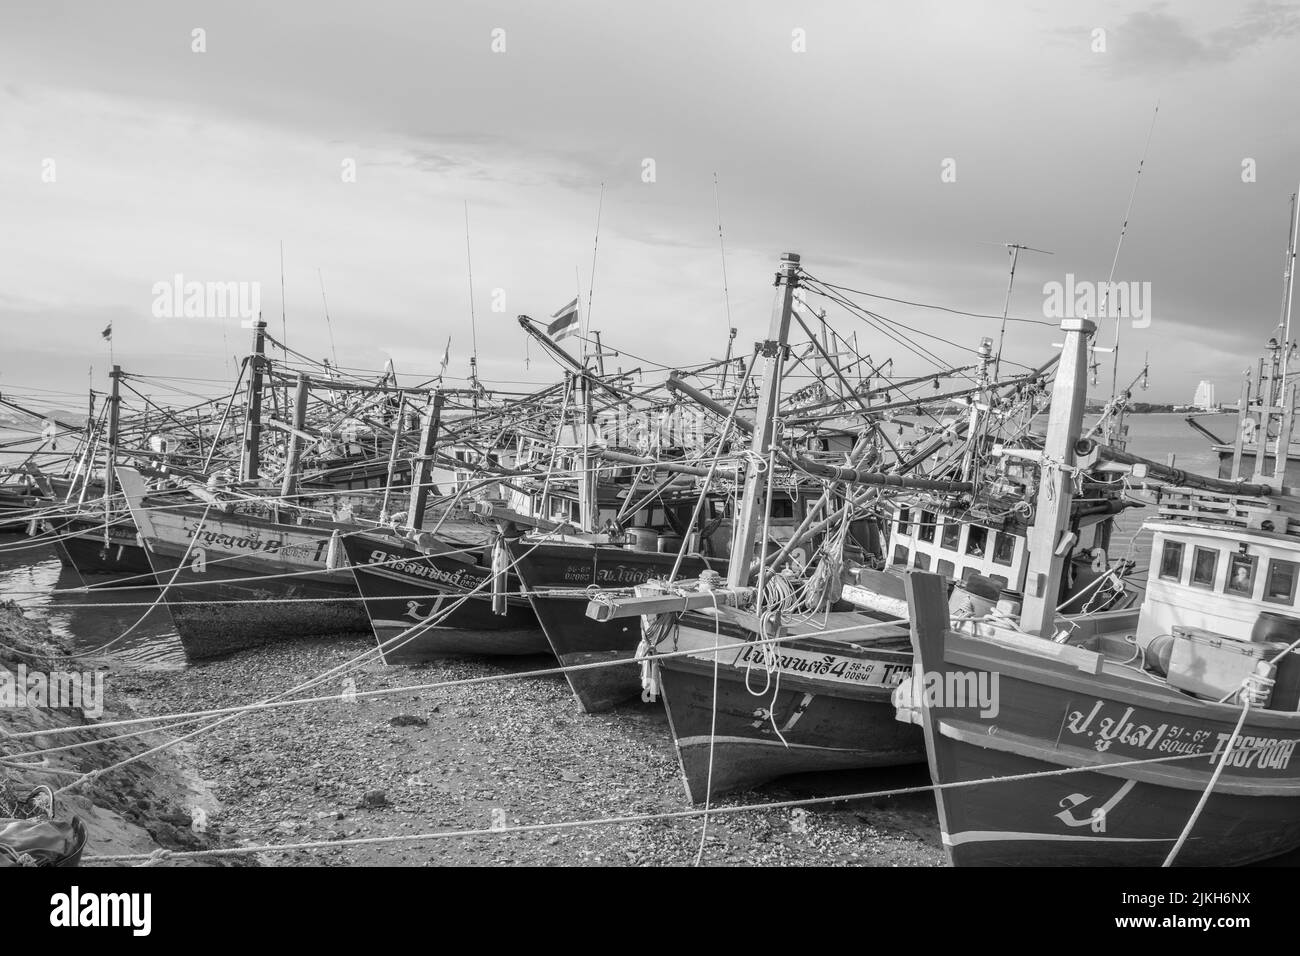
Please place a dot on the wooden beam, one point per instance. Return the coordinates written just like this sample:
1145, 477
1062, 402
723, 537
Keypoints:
612, 608
422, 466
1056, 481
754, 504
289, 485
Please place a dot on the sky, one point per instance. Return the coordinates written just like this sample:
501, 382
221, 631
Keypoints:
897, 147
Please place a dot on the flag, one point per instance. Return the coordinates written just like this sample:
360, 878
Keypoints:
446, 357
564, 322
108, 332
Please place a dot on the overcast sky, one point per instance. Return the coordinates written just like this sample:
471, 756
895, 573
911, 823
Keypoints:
829, 126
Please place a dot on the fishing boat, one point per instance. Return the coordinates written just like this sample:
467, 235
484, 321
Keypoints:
20, 502
451, 584
1159, 734
97, 548
236, 573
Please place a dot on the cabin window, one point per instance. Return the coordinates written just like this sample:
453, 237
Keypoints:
1279, 587
926, 532
1241, 575
781, 507
904, 519
921, 561
1205, 561
1004, 548
968, 573
946, 568
976, 541
1171, 561
999, 580
900, 555
951, 535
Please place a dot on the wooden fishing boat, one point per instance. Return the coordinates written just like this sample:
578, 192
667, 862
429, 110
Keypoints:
558, 578
92, 547
1086, 760
238, 577
403, 584
1158, 735
19, 503
748, 714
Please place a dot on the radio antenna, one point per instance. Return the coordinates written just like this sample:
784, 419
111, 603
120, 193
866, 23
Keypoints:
1114, 374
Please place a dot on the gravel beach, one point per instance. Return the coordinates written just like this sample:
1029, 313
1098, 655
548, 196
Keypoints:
509, 753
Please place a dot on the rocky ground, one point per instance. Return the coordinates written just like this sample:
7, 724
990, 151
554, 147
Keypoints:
142, 807
511, 753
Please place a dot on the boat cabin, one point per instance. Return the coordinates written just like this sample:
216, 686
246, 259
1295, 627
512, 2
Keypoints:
1217, 563
927, 539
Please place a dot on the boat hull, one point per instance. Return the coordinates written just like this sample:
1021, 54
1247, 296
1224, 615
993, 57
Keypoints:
1117, 764
556, 577
79, 543
821, 708
238, 581
402, 586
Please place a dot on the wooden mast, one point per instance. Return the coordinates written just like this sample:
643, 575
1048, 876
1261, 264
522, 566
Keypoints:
392, 456
587, 509
110, 474
289, 487
1047, 549
422, 470
753, 506
249, 461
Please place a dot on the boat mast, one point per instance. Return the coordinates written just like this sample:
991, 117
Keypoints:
1285, 323
422, 466
588, 512
253, 410
114, 406
289, 483
754, 504
1048, 548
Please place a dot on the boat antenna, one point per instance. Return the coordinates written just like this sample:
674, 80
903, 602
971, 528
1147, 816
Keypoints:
1114, 373
473, 327
1013, 250
726, 294
284, 322
595, 246
1289, 289
328, 325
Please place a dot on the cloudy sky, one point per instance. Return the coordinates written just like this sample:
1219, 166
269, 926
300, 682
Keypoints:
128, 157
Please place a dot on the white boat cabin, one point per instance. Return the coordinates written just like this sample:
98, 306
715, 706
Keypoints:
928, 540
1217, 563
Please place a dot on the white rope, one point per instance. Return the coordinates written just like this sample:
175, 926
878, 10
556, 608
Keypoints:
1209, 787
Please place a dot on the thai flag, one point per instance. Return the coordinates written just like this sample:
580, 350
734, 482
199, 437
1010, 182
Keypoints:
564, 323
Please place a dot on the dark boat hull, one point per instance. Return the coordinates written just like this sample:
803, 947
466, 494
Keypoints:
16, 509
1119, 763
823, 708
402, 586
556, 576
238, 581
79, 543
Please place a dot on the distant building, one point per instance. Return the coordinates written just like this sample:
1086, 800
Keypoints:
1204, 400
